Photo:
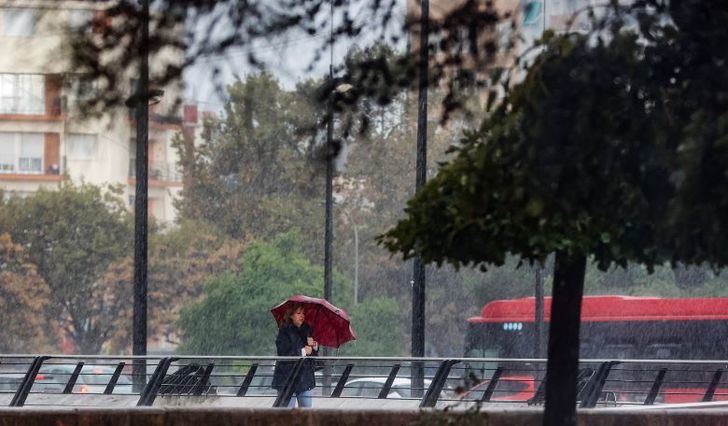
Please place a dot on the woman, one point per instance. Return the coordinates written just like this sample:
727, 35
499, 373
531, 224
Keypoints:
295, 339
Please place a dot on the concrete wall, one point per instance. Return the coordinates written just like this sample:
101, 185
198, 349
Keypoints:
199, 416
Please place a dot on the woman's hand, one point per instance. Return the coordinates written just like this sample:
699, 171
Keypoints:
308, 349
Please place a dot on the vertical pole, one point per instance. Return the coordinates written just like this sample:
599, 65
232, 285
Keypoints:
139, 329
418, 287
538, 321
329, 227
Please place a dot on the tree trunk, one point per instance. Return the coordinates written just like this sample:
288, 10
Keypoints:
538, 320
563, 349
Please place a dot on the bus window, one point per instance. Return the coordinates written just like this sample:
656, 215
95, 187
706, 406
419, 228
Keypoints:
618, 351
482, 370
586, 349
664, 351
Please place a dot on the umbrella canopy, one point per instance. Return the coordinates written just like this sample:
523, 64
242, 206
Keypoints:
331, 325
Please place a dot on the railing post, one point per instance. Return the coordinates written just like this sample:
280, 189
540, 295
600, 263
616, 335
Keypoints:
149, 394
342, 381
655, 387
384, 392
248, 379
284, 397
22, 393
713, 385
491, 385
114, 378
204, 378
74, 377
594, 388
438, 382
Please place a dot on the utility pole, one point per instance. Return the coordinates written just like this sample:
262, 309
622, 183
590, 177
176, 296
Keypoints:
329, 200
418, 287
139, 329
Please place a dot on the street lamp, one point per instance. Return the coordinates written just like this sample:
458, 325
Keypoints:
141, 103
142, 98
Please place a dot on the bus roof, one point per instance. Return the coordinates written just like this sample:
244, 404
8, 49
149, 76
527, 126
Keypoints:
611, 308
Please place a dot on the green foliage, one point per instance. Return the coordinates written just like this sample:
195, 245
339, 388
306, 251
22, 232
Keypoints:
73, 235
379, 329
233, 316
551, 170
249, 177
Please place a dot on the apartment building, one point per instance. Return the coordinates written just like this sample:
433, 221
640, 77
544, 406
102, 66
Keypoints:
44, 136
523, 21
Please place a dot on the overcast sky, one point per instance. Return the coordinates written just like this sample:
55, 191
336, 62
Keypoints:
287, 58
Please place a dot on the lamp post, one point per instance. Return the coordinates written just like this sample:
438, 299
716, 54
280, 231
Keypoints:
418, 287
140, 100
139, 320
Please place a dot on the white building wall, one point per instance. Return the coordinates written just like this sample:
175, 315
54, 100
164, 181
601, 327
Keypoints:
44, 51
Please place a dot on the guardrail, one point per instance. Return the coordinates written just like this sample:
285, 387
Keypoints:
53, 380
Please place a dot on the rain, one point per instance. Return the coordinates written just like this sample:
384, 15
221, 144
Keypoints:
250, 109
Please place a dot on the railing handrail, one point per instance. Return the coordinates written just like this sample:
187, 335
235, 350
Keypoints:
591, 394
361, 358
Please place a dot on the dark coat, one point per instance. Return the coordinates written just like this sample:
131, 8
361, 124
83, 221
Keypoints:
289, 342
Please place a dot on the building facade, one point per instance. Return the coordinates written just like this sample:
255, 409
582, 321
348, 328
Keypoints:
45, 136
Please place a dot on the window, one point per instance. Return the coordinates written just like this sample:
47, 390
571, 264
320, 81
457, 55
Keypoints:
81, 146
7, 153
22, 93
664, 351
31, 153
353, 389
19, 22
21, 152
618, 351
83, 87
80, 20
371, 389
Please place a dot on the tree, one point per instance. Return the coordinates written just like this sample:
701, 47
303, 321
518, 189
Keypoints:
527, 182
24, 298
379, 329
73, 235
181, 261
233, 316
248, 178
107, 55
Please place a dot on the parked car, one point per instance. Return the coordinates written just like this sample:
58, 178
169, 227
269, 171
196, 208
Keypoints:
10, 382
92, 379
369, 387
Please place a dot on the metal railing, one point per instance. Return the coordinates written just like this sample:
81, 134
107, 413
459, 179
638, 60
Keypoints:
38, 380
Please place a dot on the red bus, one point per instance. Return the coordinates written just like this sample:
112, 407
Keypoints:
612, 327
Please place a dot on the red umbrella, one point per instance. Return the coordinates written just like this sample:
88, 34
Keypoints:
331, 325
